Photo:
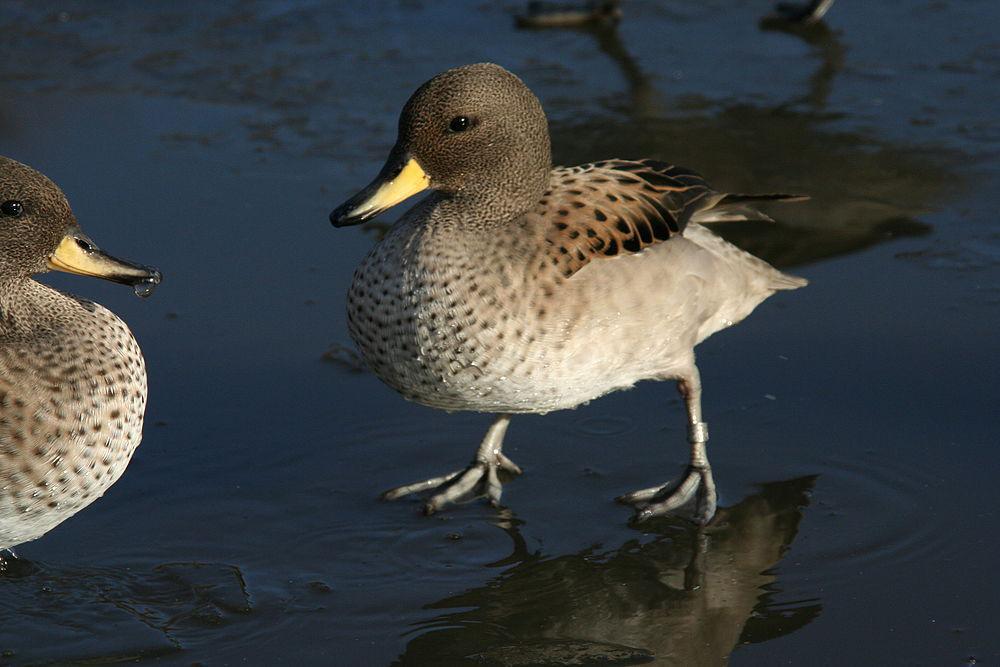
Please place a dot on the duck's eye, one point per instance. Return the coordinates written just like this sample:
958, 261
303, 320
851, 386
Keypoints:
12, 208
459, 124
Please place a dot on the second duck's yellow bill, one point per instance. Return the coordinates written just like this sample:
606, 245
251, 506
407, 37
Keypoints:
399, 179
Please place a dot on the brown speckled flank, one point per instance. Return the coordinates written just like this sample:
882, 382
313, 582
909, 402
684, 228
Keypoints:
519, 288
72, 378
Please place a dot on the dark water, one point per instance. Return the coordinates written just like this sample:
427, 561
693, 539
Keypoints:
855, 423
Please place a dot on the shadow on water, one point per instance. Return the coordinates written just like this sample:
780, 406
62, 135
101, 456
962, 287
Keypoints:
863, 190
686, 597
57, 613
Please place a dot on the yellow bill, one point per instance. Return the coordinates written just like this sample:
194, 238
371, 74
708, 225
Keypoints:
77, 254
398, 180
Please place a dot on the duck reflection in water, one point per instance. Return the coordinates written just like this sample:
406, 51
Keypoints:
689, 596
608, 13
863, 190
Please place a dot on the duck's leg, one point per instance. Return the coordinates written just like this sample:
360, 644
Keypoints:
570, 15
697, 484
481, 478
811, 12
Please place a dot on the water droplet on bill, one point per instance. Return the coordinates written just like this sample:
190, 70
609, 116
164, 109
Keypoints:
145, 287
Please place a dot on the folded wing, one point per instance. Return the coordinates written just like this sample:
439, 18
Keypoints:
621, 206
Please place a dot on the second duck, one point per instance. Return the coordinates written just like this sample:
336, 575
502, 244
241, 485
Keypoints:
519, 288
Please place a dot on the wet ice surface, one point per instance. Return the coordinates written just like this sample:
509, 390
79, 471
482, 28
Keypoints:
854, 422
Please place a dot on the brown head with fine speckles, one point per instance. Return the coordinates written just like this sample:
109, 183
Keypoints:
34, 218
38, 232
474, 132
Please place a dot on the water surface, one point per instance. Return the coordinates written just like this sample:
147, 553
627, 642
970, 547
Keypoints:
854, 422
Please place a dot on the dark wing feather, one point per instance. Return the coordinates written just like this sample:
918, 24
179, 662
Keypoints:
617, 207
622, 206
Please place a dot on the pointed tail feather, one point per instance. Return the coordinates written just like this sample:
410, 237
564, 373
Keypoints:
734, 207
730, 199
784, 281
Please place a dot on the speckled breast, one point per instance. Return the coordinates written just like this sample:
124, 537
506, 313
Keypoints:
72, 399
447, 325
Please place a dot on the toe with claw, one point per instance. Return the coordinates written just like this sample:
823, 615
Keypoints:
695, 490
480, 479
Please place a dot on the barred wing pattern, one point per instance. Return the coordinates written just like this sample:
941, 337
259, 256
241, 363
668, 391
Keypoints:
617, 207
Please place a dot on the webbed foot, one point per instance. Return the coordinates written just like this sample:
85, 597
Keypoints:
480, 479
696, 490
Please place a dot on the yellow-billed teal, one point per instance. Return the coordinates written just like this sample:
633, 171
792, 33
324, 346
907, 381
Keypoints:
72, 378
518, 288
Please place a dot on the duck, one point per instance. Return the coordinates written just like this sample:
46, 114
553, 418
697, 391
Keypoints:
517, 287
72, 376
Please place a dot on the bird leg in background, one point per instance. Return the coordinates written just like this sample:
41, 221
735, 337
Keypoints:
808, 14
481, 478
570, 15
697, 483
